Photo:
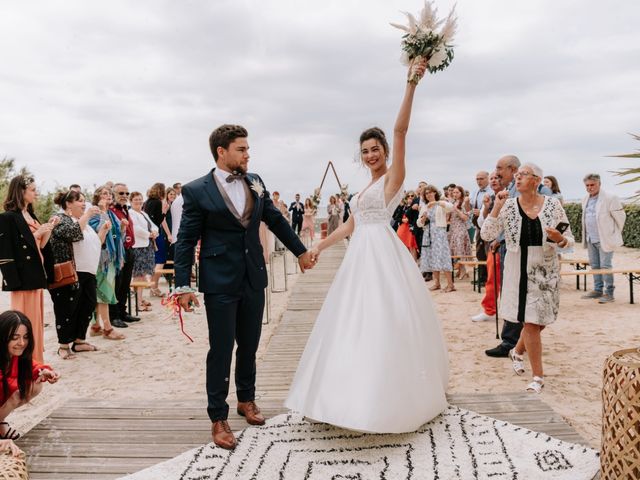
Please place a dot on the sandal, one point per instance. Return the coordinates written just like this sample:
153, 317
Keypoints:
145, 308
434, 287
95, 330
517, 361
111, 334
536, 385
449, 288
68, 355
84, 347
10, 434
145, 303
155, 292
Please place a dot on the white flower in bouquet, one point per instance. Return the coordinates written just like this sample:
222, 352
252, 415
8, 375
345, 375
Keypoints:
428, 37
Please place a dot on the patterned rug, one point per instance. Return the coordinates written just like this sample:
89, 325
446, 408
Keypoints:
458, 444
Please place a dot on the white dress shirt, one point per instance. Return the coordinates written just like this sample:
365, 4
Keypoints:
176, 216
234, 190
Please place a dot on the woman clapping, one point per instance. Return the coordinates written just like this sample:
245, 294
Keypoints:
530, 288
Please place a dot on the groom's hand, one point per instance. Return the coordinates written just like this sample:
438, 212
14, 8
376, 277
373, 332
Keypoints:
305, 261
187, 301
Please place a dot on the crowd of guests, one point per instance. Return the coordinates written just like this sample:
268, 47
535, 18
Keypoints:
514, 221
86, 256
302, 215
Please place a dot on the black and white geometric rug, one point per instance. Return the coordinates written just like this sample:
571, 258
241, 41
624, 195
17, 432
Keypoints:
458, 444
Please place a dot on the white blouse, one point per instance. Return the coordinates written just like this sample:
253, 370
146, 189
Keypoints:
141, 223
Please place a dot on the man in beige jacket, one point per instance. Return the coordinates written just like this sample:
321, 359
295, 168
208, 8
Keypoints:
603, 219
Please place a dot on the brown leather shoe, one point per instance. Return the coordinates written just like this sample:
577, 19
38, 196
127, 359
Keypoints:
222, 435
251, 412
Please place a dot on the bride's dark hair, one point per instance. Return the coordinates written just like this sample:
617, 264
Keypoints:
376, 134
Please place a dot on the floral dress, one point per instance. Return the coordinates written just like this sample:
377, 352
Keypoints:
436, 255
459, 242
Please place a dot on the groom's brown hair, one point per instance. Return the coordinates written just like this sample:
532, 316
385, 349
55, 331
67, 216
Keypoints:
223, 136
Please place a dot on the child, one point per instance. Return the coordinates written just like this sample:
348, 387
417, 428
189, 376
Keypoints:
21, 378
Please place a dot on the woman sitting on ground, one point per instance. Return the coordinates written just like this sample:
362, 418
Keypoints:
531, 283
21, 378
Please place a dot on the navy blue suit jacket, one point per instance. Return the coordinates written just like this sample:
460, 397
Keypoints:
229, 252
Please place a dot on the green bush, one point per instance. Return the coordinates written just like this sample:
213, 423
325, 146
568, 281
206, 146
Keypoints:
630, 234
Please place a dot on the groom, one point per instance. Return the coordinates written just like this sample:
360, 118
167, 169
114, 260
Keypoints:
223, 209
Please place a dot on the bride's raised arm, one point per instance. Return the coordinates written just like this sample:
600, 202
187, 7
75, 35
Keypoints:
396, 172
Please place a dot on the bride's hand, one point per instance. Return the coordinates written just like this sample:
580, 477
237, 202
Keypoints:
315, 254
417, 68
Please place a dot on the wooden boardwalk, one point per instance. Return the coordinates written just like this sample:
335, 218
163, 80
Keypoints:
90, 439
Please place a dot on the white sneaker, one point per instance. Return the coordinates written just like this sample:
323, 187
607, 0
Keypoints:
481, 317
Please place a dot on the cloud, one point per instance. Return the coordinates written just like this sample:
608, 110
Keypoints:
123, 90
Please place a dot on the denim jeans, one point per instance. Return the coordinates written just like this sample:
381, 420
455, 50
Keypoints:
601, 260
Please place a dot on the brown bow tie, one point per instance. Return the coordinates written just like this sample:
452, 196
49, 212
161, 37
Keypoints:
235, 176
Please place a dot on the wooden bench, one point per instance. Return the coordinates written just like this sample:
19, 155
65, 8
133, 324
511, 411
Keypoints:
632, 273
580, 264
476, 277
168, 275
134, 289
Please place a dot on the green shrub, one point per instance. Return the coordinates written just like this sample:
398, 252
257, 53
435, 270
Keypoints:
630, 234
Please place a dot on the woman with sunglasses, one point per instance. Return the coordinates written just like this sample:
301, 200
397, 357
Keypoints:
531, 282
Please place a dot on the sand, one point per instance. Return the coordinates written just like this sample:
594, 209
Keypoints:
157, 361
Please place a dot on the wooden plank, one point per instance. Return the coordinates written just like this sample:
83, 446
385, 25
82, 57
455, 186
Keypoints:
100, 439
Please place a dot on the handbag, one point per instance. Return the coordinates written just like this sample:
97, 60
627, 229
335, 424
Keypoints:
63, 274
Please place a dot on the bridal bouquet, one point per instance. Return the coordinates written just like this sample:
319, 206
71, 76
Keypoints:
428, 37
315, 198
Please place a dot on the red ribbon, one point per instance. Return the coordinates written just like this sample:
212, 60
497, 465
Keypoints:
171, 302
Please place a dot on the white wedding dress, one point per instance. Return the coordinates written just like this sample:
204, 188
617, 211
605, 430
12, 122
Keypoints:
376, 359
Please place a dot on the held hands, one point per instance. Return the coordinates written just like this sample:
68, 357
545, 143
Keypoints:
306, 261
187, 301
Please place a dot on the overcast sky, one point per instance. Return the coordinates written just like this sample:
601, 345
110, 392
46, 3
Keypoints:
96, 91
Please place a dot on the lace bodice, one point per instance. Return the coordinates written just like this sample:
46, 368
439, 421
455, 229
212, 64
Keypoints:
369, 206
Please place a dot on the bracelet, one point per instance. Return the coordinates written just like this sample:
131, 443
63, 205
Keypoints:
182, 290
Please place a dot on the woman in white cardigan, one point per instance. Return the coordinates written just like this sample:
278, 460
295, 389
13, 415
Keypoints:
435, 254
145, 232
530, 288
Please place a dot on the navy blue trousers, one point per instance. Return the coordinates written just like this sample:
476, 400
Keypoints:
232, 318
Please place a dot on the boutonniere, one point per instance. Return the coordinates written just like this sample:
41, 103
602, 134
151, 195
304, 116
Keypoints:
256, 186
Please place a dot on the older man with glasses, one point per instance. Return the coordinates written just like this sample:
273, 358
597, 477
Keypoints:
120, 209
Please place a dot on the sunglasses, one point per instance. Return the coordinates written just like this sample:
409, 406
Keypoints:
123, 194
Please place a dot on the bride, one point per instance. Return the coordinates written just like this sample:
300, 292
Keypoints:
376, 359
